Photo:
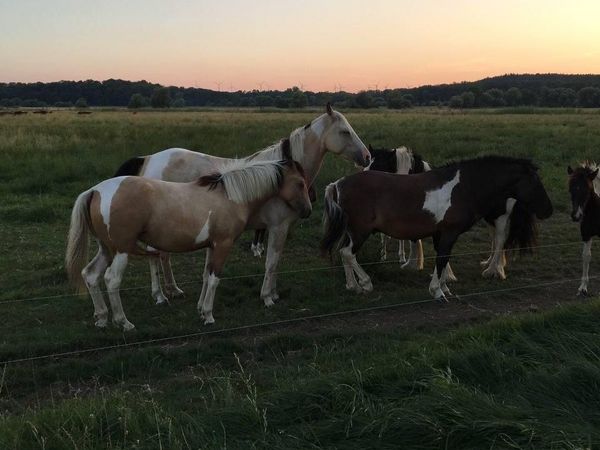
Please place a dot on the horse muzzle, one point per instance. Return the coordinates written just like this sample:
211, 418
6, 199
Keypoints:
305, 212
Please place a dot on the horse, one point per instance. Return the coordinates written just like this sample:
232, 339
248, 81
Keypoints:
584, 187
329, 132
401, 161
138, 216
442, 203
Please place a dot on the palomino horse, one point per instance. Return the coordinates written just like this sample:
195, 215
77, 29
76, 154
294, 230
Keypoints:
329, 132
442, 203
131, 215
584, 187
402, 161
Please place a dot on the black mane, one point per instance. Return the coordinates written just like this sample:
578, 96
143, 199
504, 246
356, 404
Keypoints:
491, 160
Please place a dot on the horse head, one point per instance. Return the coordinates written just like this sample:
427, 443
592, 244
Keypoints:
581, 187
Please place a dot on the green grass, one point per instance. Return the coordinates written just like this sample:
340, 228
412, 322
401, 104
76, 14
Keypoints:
524, 382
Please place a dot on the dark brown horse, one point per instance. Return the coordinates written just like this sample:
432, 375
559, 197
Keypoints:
442, 203
583, 187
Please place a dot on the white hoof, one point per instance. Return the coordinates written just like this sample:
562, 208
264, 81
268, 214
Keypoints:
268, 301
127, 325
209, 319
257, 249
101, 323
582, 293
176, 292
383, 257
410, 264
493, 273
484, 263
367, 286
160, 299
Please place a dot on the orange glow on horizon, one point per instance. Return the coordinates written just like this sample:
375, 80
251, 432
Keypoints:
278, 44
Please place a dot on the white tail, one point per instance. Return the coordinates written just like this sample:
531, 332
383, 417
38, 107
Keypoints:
77, 243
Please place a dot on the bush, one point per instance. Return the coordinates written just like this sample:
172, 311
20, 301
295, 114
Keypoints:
399, 101
513, 96
456, 101
81, 103
588, 97
138, 101
468, 99
161, 98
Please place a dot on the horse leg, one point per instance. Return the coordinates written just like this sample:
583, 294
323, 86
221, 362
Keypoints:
487, 261
349, 257
346, 255
214, 264
257, 246
496, 266
384, 240
112, 278
586, 256
91, 276
415, 257
401, 253
157, 293
170, 283
204, 282
443, 244
276, 242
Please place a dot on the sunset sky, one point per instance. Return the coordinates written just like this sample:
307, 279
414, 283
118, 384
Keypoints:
321, 45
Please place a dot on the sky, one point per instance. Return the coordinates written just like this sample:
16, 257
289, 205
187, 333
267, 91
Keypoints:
275, 44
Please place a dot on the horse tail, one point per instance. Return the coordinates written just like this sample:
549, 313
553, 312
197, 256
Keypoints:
523, 230
132, 166
335, 220
419, 166
77, 243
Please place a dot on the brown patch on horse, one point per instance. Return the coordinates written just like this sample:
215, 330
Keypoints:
212, 180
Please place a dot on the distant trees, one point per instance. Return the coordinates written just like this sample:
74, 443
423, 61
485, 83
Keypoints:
589, 97
81, 103
547, 90
138, 101
160, 98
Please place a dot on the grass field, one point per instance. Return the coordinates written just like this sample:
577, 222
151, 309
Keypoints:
528, 380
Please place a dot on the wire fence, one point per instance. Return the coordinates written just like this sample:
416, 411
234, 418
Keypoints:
282, 272
278, 323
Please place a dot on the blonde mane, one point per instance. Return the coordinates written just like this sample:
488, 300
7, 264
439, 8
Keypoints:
245, 181
592, 166
404, 160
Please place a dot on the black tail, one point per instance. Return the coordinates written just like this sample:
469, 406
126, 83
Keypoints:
335, 221
523, 230
130, 167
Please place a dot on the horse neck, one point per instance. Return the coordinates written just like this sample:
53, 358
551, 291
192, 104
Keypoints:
307, 147
484, 193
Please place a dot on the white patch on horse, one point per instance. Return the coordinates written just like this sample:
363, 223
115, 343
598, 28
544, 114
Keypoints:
205, 231
404, 160
438, 201
158, 162
107, 190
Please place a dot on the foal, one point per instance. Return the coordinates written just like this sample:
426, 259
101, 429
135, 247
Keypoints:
584, 188
442, 203
401, 161
132, 215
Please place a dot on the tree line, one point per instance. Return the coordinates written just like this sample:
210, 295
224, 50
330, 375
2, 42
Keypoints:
549, 90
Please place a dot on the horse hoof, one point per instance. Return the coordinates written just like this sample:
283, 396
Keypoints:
209, 320
176, 292
442, 298
101, 323
367, 287
268, 302
583, 293
128, 326
161, 300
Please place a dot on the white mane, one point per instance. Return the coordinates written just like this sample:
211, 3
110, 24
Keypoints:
273, 151
246, 181
593, 166
404, 160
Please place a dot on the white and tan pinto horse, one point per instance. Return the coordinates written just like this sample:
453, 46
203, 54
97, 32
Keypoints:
329, 132
132, 215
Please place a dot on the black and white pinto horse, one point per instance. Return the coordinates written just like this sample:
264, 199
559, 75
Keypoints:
442, 203
584, 187
402, 161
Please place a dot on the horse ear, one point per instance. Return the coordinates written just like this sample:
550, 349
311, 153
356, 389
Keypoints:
569, 170
329, 109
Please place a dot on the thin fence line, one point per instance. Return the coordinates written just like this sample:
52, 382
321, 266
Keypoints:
283, 272
278, 322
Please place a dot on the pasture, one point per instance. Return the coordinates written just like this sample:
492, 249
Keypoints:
514, 364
